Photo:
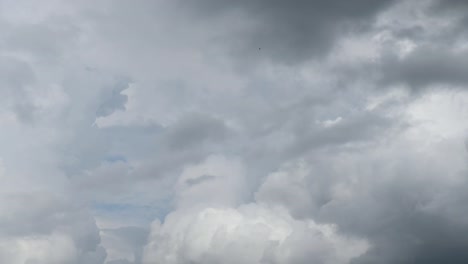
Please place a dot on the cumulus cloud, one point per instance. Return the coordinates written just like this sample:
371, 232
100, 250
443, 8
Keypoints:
42, 228
249, 234
204, 230
391, 192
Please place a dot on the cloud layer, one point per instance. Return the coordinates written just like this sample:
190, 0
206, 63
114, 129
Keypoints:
233, 132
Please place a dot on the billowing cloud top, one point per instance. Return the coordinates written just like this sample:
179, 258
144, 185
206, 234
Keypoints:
216, 131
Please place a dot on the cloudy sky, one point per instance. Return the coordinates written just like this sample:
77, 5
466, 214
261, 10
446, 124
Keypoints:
222, 131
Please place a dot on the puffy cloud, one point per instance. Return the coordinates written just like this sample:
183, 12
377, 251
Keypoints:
43, 228
50, 249
207, 230
394, 193
248, 234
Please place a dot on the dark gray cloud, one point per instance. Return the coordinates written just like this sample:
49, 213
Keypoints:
200, 179
427, 66
194, 130
362, 127
426, 54
402, 230
287, 31
451, 5
408, 212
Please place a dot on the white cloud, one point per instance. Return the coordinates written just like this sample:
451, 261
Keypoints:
208, 227
249, 234
53, 249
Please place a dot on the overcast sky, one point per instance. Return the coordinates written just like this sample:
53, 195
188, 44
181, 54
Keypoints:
233, 131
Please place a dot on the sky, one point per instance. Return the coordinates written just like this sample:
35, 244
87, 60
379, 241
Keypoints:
243, 132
